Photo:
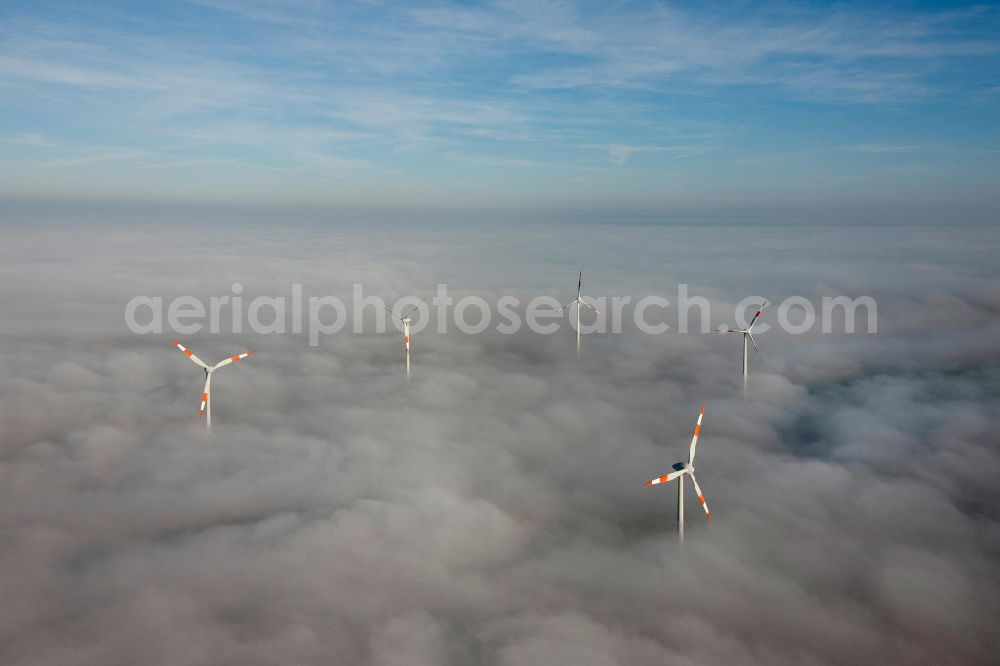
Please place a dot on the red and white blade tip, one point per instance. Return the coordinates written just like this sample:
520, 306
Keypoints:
704, 505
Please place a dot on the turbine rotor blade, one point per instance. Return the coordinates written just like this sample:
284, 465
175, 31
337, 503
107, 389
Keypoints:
187, 352
665, 479
590, 307
701, 496
570, 304
415, 307
233, 359
694, 439
753, 342
757, 314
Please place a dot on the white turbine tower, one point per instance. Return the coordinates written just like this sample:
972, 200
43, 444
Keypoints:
747, 341
407, 319
206, 396
680, 470
578, 301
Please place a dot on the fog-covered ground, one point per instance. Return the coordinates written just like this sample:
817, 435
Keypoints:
492, 510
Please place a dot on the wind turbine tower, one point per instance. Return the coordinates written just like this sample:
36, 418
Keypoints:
206, 395
680, 470
748, 340
578, 301
406, 319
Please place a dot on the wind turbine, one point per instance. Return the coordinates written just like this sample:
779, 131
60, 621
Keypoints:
747, 340
206, 396
407, 319
680, 470
578, 301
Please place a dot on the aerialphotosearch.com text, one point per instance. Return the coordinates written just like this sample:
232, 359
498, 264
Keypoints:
318, 316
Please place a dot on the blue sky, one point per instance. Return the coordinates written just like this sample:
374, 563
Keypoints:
613, 108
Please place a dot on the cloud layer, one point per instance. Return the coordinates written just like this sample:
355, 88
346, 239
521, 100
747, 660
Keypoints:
492, 510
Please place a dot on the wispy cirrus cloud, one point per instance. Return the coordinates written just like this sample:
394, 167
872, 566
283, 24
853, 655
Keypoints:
802, 50
328, 88
32, 139
884, 148
620, 154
